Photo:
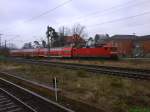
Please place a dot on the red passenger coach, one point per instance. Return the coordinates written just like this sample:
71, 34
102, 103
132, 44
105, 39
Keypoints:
14, 53
63, 52
55, 52
27, 52
67, 52
41, 52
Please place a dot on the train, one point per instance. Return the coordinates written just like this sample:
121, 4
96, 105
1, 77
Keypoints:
68, 52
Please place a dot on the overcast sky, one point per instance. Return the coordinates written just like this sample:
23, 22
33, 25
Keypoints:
99, 16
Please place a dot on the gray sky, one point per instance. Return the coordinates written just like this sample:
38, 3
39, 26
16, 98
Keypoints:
99, 16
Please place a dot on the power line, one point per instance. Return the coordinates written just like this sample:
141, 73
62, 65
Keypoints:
126, 6
114, 8
131, 26
48, 11
42, 14
105, 10
121, 19
94, 13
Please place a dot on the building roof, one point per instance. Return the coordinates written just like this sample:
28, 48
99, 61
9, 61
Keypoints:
123, 37
72, 39
129, 37
145, 37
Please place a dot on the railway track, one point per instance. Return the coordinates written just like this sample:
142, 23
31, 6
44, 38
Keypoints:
42, 89
9, 103
14, 98
116, 71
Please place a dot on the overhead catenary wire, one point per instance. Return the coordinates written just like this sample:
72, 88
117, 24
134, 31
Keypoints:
48, 11
118, 19
129, 27
133, 27
121, 19
60, 5
109, 10
93, 13
104, 10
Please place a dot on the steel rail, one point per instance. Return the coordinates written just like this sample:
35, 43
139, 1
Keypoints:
35, 101
42, 89
142, 74
9, 102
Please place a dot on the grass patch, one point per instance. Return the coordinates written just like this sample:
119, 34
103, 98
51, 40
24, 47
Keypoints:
113, 94
116, 63
139, 109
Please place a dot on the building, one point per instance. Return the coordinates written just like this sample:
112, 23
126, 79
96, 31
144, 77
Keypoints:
124, 44
131, 45
68, 41
142, 46
100, 38
74, 40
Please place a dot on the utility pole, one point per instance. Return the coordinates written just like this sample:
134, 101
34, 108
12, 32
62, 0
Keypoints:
48, 42
5, 43
0, 40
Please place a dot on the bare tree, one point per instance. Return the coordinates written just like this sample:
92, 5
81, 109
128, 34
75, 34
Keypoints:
64, 31
79, 30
